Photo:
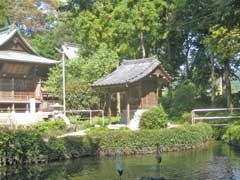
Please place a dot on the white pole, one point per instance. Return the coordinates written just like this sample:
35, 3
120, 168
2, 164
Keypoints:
64, 84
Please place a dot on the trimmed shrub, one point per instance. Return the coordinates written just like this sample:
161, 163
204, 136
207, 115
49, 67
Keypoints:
145, 141
154, 118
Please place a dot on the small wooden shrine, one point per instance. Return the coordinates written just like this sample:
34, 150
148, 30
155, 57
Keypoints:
137, 84
22, 71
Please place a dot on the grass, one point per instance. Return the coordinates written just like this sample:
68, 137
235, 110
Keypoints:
58, 127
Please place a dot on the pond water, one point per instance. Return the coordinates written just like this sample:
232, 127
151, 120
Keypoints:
217, 161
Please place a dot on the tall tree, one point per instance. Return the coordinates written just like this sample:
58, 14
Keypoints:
32, 16
226, 44
3, 13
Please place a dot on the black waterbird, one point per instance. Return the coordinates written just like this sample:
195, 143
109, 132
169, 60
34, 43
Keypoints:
158, 156
119, 167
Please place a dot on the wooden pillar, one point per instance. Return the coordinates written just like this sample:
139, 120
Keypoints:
109, 109
159, 91
118, 104
170, 89
127, 106
13, 107
140, 95
12, 84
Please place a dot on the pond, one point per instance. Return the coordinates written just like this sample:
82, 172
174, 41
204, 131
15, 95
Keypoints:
217, 161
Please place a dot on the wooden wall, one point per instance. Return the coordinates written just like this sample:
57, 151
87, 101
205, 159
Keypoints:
141, 96
17, 88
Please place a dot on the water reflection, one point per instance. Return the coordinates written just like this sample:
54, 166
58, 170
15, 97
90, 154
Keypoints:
218, 161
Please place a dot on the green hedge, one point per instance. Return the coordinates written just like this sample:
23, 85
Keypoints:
143, 141
28, 146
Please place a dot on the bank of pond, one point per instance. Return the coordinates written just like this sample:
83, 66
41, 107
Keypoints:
26, 146
34, 148
217, 160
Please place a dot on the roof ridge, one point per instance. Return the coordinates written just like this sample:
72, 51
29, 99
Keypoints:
141, 60
7, 29
147, 68
71, 44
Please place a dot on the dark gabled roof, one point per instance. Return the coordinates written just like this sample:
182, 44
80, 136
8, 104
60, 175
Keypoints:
131, 71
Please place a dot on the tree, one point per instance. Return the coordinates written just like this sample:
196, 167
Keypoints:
80, 73
32, 16
3, 13
130, 28
226, 44
45, 45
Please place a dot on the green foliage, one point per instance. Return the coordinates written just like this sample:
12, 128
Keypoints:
80, 73
56, 149
51, 128
119, 24
3, 13
99, 64
44, 45
45, 126
186, 117
218, 132
32, 16
20, 146
224, 42
154, 118
28, 146
131, 142
232, 135
184, 98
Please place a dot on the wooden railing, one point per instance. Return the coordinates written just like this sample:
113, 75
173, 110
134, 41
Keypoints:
194, 117
17, 97
14, 97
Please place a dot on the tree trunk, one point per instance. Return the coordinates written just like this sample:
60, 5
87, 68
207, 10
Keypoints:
227, 84
142, 45
213, 81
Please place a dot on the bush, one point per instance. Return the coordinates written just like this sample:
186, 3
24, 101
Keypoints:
184, 98
154, 118
187, 117
21, 146
232, 135
43, 126
48, 128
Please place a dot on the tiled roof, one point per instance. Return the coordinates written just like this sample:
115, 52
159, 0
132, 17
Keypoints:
131, 71
18, 56
8, 32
